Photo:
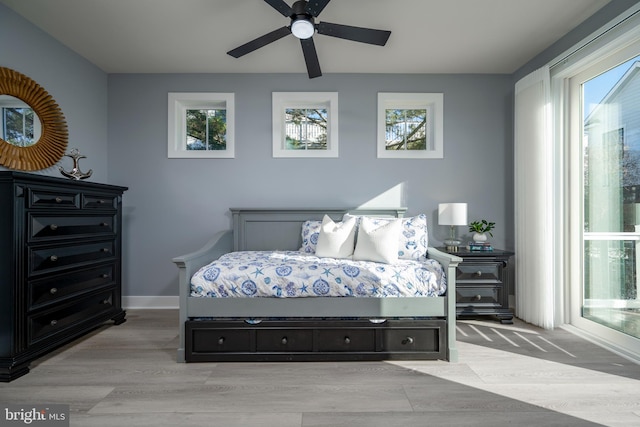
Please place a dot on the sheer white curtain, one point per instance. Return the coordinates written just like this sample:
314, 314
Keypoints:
534, 199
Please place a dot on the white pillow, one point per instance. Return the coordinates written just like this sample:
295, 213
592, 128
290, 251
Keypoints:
336, 240
378, 241
414, 237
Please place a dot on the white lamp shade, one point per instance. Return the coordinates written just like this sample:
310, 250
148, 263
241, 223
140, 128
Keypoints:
452, 214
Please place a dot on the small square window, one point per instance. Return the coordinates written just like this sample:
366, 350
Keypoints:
305, 124
201, 125
410, 125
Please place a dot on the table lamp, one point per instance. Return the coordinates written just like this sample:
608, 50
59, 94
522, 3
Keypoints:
452, 214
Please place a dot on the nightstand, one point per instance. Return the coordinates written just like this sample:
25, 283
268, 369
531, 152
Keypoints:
482, 284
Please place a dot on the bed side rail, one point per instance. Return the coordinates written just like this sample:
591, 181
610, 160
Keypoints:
450, 263
220, 244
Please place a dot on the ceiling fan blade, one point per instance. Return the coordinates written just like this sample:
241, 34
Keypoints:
356, 34
260, 42
281, 7
311, 57
314, 7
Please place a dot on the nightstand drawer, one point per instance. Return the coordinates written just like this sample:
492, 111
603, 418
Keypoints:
485, 272
56, 288
346, 340
269, 340
479, 296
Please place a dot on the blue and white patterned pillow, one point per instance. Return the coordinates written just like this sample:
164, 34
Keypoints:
414, 238
310, 233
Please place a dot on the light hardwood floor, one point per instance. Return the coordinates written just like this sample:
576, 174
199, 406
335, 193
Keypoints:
507, 375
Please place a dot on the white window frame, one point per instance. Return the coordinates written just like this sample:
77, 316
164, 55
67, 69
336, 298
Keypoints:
433, 103
281, 101
179, 103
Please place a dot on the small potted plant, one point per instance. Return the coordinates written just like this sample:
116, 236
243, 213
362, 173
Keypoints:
480, 230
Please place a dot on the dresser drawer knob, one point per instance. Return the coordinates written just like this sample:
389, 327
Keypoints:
53, 227
220, 340
100, 201
106, 301
104, 276
478, 297
58, 199
105, 250
478, 273
347, 340
53, 322
103, 224
53, 291
53, 258
284, 341
407, 340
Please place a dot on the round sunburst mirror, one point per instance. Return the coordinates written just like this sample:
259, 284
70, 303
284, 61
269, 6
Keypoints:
39, 152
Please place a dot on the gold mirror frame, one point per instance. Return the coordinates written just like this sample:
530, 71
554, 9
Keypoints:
50, 148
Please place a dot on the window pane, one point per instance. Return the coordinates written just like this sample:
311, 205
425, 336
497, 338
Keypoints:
306, 128
18, 126
406, 129
611, 157
206, 129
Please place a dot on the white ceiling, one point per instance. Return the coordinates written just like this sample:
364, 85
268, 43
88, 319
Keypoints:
193, 36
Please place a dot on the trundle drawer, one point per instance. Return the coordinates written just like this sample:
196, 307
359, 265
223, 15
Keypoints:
56, 257
57, 321
53, 199
55, 288
271, 340
43, 227
346, 340
408, 340
220, 340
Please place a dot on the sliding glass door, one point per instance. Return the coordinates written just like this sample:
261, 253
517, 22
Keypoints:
609, 100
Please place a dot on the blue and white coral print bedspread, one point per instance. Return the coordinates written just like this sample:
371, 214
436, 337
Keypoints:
286, 274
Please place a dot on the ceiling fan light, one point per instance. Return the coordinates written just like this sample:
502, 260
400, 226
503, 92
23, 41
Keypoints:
302, 29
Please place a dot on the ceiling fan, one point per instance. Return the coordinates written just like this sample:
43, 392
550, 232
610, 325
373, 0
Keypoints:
303, 26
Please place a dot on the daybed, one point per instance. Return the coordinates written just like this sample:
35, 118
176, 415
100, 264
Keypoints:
308, 328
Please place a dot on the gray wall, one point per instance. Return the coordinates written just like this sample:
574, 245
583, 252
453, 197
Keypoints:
174, 205
79, 88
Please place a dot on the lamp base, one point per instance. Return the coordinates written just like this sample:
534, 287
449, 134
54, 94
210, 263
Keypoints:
452, 244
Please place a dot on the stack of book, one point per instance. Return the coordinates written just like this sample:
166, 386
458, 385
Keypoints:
480, 246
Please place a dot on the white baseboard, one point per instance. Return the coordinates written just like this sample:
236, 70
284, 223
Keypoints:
150, 302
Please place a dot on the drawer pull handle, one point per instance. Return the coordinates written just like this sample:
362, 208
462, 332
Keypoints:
105, 250
53, 322
53, 227
106, 301
220, 340
104, 276
478, 297
347, 340
53, 258
407, 340
103, 224
53, 291
284, 341
478, 273
58, 199
100, 201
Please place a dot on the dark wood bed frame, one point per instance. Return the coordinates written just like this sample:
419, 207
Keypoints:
306, 329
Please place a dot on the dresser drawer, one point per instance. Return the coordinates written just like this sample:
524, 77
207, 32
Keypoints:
98, 201
43, 227
292, 340
218, 340
57, 321
346, 340
53, 258
59, 287
480, 272
408, 340
53, 199
479, 296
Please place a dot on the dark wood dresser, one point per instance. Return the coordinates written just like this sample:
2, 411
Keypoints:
60, 263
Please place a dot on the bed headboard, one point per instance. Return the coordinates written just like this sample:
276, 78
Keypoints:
258, 229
